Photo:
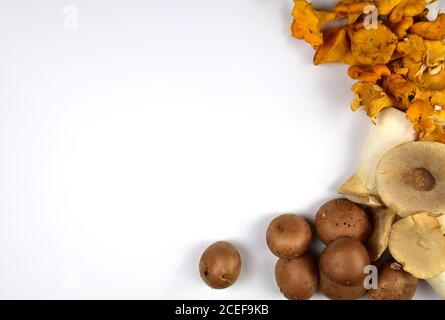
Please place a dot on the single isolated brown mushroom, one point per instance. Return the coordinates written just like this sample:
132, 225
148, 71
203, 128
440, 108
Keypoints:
220, 265
410, 178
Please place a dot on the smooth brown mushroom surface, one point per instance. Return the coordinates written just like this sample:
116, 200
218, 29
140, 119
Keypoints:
344, 260
288, 236
220, 265
334, 291
297, 278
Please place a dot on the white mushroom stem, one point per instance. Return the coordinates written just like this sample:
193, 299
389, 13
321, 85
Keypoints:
438, 282
392, 129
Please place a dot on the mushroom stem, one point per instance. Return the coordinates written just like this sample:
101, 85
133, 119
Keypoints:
392, 129
438, 282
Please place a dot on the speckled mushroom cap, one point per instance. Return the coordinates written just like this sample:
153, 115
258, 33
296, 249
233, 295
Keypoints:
410, 178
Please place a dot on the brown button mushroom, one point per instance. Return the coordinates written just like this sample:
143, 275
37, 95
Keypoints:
220, 265
343, 261
335, 291
417, 242
394, 284
341, 218
410, 178
297, 278
288, 236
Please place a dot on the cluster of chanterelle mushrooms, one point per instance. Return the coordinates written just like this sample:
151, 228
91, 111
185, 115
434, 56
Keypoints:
399, 62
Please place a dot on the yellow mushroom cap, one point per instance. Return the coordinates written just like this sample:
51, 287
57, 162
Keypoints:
417, 242
410, 178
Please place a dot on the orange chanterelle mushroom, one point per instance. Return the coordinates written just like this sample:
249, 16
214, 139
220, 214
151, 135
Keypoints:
399, 60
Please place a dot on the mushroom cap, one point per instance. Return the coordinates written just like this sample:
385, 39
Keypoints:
417, 242
220, 265
288, 236
335, 291
410, 178
394, 284
297, 278
341, 218
343, 262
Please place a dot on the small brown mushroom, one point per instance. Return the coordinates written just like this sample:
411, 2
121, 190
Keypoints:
288, 236
297, 278
220, 265
343, 261
341, 218
394, 284
335, 291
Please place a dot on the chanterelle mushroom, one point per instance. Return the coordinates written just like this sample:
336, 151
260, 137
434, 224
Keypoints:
417, 242
392, 129
410, 178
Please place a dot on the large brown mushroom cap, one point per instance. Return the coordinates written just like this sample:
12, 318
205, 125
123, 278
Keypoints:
343, 261
417, 242
410, 178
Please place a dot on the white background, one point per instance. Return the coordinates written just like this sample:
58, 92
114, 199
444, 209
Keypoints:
157, 127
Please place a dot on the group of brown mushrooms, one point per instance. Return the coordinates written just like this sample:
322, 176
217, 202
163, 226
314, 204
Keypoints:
392, 216
402, 182
400, 211
399, 61
355, 260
